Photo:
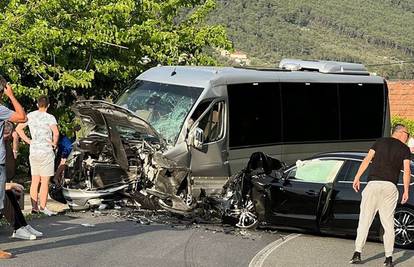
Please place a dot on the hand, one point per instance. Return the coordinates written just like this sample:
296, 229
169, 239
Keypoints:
18, 188
8, 91
404, 198
54, 146
15, 152
356, 185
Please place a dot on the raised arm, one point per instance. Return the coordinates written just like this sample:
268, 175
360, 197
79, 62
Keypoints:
19, 115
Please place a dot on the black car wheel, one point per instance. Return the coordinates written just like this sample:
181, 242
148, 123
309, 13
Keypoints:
247, 216
404, 227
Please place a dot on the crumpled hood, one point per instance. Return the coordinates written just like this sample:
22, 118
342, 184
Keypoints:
113, 117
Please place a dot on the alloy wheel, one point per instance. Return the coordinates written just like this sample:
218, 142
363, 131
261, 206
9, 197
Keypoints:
248, 218
404, 227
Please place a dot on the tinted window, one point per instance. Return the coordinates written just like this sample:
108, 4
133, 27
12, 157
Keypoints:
362, 110
350, 169
310, 112
254, 112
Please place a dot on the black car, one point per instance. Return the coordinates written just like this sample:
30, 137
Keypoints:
316, 194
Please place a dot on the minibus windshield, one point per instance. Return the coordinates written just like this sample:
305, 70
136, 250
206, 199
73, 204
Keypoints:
163, 106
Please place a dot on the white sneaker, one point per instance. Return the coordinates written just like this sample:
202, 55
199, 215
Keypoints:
33, 231
47, 212
23, 233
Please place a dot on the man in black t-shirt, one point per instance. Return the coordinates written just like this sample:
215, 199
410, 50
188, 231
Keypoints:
388, 155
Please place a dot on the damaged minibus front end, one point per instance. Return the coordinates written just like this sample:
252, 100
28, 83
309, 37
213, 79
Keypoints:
120, 157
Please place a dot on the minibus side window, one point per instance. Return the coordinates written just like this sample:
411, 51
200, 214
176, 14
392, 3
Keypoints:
362, 111
198, 111
254, 114
212, 123
310, 112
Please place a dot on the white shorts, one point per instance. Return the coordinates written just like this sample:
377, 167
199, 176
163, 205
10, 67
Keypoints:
42, 165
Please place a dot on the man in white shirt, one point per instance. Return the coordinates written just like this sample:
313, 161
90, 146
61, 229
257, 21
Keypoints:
44, 138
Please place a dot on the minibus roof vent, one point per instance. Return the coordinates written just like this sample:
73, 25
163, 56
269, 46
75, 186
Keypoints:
332, 67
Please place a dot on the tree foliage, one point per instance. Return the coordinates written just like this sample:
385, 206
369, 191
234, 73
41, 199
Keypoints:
92, 48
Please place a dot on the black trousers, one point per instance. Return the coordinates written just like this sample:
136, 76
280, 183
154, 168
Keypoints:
12, 211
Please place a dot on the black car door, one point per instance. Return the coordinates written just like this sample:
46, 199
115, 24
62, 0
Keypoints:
296, 200
344, 212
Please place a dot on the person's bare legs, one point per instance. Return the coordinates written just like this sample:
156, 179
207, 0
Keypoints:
34, 190
5, 255
44, 190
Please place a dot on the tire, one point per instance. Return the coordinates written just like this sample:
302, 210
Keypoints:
247, 217
398, 221
404, 227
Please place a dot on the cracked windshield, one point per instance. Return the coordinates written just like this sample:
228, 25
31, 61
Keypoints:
164, 106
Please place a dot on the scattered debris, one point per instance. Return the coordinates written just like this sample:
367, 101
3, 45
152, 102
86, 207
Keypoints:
102, 206
97, 212
88, 225
236, 210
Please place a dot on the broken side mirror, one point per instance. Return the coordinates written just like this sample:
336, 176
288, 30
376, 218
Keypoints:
197, 138
285, 177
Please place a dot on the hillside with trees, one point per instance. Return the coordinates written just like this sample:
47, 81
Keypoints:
377, 33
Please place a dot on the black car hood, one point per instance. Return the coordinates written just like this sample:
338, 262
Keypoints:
111, 116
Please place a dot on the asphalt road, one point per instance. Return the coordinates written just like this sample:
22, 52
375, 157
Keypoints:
113, 241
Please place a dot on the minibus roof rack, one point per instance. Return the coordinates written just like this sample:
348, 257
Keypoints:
322, 66
260, 68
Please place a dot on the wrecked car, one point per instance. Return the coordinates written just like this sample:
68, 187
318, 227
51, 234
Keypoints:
181, 131
240, 202
316, 195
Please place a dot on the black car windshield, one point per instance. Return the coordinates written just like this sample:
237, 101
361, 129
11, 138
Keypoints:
316, 170
163, 106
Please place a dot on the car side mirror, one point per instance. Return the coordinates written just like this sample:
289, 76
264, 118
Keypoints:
285, 177
197, 138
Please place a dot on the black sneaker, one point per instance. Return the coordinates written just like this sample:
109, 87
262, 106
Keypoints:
35, 211
388, 262
356, 258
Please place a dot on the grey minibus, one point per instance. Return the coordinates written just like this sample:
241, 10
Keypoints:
213, 118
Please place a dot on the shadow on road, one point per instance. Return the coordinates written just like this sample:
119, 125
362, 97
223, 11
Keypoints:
406, 255
64, 231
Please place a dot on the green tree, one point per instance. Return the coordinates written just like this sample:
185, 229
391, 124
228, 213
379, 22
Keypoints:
92, 48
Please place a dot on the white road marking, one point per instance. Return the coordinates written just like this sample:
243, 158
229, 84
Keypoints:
261, 256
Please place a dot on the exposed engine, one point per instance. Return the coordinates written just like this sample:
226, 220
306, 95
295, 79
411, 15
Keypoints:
92, 165
121, 156
92, 169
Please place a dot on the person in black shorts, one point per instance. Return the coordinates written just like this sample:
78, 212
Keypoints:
388, 155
